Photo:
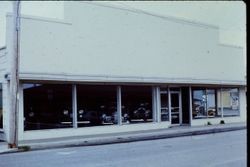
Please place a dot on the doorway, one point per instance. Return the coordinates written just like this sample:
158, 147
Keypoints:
175, 102
185, 100
175, 105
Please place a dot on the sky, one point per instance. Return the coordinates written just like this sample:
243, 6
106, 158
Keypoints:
229, 16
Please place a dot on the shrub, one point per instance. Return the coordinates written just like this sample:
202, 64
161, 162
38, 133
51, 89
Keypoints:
24, 148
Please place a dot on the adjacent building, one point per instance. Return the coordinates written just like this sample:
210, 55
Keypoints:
105, 69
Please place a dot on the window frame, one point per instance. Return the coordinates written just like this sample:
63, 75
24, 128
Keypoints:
205, 89
222, 105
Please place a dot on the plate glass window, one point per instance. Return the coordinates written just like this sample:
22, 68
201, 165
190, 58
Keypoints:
47, 106
204, 103
230, 102
136, 104
96, 105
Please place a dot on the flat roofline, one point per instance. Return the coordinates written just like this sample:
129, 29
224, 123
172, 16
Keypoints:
171, 18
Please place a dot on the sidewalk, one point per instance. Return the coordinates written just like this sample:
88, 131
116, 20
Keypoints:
124, 137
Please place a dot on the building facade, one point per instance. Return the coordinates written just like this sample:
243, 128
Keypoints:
105, 69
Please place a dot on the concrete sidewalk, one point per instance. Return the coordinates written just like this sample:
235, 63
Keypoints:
177, 131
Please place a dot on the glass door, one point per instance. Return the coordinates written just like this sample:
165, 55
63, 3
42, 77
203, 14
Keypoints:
175, 107
164, 104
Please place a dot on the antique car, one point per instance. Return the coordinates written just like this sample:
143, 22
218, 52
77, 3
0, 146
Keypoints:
92, 117
83, 117
143, 111
110, 114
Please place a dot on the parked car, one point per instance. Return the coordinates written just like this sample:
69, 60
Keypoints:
89, 116
35, 118
143, 111
83, 116
110, 115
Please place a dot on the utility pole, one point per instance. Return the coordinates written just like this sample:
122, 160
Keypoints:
14, 76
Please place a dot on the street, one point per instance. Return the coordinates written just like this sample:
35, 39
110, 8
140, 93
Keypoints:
211, 150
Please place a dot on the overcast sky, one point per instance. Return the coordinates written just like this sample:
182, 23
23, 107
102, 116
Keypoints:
229, 16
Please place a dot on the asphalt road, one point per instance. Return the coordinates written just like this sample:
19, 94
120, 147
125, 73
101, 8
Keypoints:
227, 149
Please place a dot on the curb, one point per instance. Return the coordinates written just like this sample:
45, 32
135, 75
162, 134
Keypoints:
12, 150
123, 139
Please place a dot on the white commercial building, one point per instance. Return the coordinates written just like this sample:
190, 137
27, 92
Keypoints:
105, 69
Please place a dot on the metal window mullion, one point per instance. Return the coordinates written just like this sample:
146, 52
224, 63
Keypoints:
154, 109
180, 107
239, 101
221, 103
158, 104
119, 104
74, 105
190, 105
169, 105
206, 103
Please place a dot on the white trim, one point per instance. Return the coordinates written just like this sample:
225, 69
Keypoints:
240, 99
158, 104
180, 107
190, 106
120, 79
119, 105
169, 106
221, 103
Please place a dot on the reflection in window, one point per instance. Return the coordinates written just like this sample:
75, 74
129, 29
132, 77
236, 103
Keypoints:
230, 102
96, 105
211, 103
47, 106
1, 106
164, 104
204, 103
136, 104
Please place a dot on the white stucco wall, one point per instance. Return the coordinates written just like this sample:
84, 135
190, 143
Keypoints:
100, 41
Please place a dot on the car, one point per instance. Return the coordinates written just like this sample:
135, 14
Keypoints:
37, 119
110, 114
143, 111
87, 116
211, 112
84, 116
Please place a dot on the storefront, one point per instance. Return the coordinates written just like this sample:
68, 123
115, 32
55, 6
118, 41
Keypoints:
137, 72
87, 109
